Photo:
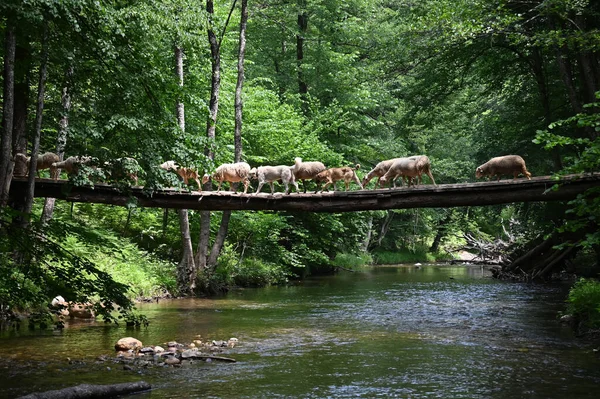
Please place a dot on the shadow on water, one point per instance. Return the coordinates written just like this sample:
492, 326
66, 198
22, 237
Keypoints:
433, 331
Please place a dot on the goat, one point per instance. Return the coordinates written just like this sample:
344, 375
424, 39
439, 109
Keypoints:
270, 174
232, 173
333, 175
123, 167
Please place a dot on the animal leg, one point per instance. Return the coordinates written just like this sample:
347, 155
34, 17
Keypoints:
246, 183
431, 177
272, 188
262, 183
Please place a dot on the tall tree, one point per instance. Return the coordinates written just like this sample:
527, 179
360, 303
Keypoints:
38, 121
6, 164
239, 105
186, 276
61, 139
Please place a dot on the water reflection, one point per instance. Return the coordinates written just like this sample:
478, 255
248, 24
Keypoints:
419, 332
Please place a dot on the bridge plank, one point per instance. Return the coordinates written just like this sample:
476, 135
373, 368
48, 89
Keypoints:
428, 196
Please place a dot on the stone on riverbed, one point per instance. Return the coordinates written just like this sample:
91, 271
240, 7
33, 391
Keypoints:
125, 344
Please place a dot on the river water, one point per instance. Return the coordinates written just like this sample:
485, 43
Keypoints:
402, 332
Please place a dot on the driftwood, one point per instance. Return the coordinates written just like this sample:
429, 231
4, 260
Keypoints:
427, 196
84, 391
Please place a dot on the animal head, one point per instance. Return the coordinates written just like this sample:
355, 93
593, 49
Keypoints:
20, 157
479, 172
253, 173
322, 175
205, 179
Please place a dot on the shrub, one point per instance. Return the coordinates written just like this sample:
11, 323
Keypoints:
584, 302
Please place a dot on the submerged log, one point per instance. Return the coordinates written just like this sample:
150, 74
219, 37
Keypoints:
426, 196
85, 391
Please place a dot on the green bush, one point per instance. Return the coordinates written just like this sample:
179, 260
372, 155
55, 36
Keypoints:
584, 302
403, 256
352, 261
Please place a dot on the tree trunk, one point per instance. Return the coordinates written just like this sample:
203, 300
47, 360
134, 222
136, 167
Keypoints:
21, 105
211, 125
61, 139
239, 104
186, 271
38, 123
6, 164
302, 29
441, 231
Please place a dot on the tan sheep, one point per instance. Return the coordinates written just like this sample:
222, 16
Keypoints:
71, 164
270, 174
403, 167
306, 170
186, 174
378, 171
44, 161
505, 165
423, 167
333, 175
232, 173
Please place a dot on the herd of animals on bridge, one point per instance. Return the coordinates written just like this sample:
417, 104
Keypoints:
410, 169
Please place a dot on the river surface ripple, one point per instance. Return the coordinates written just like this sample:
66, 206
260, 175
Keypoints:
403, 332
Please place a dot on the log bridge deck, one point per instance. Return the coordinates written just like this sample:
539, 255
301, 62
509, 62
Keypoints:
427, 196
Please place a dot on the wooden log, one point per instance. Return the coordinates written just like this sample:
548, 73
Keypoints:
85, 391
211, 357
429, 196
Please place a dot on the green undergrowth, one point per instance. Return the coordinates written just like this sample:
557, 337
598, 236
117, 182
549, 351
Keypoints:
146, 275
583, 303
352, 261
407, 256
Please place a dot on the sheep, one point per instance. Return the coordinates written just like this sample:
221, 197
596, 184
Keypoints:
232, 173
71, 164
185, 173
378, 171
306, 170
505, 165
123, 167
44, 161
270, 174
404, 167
423, 166
333, 175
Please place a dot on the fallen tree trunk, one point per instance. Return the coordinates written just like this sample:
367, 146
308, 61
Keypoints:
85, 391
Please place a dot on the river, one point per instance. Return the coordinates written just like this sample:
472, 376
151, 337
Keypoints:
406, 332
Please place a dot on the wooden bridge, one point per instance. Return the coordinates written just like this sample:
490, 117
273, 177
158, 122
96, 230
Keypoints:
427, 196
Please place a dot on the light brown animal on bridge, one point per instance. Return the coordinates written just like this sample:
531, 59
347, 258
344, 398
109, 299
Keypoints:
71, 164
306, 170
402, 167
44, 161
332, 175
423, 167
505, 165
232, 173
186, 174
378, 171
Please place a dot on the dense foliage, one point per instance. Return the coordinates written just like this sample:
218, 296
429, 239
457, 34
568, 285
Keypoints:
339, 81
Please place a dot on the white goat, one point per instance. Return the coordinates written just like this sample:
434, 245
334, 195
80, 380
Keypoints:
270, 174
232, 173
306, 170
